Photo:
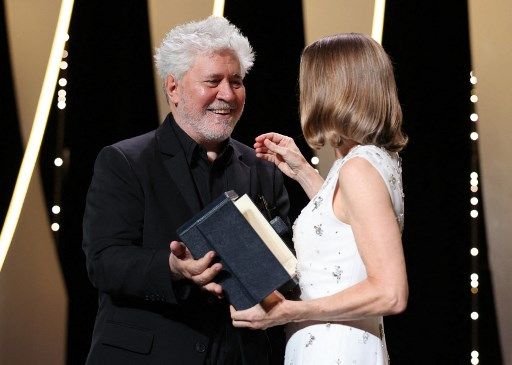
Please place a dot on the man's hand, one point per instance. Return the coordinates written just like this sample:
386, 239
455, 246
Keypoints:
183, 266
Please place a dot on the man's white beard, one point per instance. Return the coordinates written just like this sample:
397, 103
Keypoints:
211, 130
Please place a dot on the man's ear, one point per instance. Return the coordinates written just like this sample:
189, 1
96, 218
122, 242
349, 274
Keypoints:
171, 89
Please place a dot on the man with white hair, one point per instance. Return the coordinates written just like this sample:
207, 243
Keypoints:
157, 304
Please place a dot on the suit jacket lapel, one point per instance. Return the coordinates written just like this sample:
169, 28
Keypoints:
176, 165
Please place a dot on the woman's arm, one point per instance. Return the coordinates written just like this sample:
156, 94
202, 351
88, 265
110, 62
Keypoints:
362, 200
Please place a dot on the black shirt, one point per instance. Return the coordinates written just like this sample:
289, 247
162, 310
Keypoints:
212, 178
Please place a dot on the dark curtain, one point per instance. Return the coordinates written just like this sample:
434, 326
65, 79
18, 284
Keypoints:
429, 44
275, 31
110, 97
11, 147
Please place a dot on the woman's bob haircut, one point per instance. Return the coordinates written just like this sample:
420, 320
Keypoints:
348, 92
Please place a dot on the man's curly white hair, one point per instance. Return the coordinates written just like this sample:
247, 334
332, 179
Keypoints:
182, 44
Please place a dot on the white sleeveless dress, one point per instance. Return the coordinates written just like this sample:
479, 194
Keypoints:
328, 262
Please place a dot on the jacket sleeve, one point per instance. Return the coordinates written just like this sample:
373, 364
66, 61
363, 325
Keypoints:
118, 263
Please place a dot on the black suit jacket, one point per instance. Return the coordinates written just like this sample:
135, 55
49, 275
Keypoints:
141, 192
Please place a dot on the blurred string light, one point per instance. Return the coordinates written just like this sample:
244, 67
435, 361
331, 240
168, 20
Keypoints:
315, 160
58, 162
474, 203
474, 357
38, 128
61, 103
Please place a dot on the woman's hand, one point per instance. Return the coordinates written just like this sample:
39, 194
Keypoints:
282, 151
258, 318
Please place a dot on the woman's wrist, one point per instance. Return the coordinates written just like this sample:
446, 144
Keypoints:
306, 173
309, 179
296, 310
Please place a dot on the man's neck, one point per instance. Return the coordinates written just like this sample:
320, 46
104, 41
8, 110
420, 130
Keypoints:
213, 148
212, 155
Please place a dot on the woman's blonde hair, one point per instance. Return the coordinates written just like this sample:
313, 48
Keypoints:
348, 92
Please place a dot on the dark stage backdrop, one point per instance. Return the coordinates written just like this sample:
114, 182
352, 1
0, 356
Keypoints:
272, 85
429, 44
11, 147
110, 97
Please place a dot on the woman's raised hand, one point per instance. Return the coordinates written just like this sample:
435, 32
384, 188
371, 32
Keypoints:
282, 151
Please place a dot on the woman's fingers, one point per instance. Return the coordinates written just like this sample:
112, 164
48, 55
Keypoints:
269, 135
271, 146
248, 318
266, 157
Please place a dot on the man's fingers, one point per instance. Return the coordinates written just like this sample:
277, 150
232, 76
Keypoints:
215, 289
200, 265
196, 270
193, 267
207, 275
178, 249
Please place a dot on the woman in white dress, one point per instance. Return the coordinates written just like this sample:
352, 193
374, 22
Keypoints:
351, 266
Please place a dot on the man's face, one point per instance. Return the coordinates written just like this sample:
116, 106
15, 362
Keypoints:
210, 98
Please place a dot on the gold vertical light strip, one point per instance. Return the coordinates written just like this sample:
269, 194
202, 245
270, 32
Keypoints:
218, 8
378, 20
38, 127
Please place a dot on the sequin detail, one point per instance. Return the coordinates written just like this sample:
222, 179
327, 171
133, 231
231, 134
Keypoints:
392, 182
381, 332
337, 273
316, 203
400, 219
310, 340
366, 335
318, 229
